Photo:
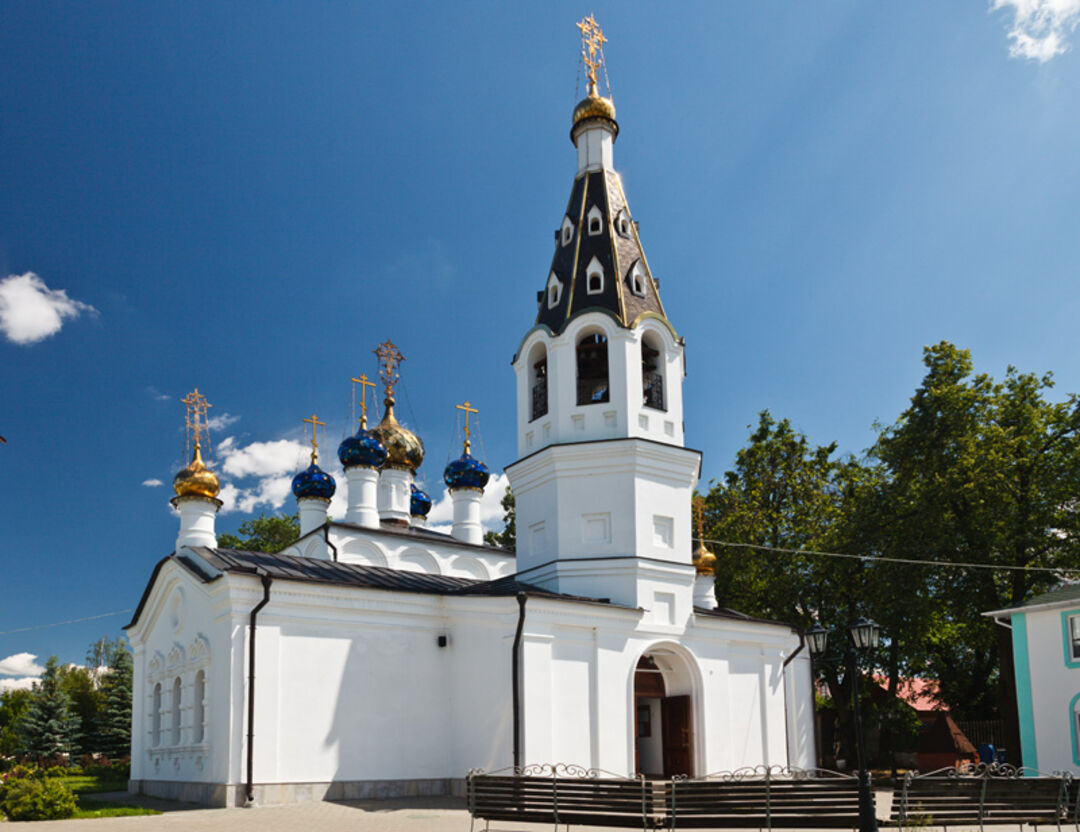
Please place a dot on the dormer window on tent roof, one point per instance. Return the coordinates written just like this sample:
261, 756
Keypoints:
596, 221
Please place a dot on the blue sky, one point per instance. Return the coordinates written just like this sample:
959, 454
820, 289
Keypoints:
249, 197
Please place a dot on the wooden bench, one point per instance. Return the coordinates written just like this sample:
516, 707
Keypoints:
751, 799
984, 795
562, 795
763, 800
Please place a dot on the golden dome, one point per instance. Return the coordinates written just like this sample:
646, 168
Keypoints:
196, 480
594, 106
704, 561
404, 449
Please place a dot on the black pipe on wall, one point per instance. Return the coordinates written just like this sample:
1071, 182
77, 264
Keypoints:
515, 683
266, 581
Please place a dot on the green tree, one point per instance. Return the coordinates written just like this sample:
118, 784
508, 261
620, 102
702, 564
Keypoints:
48, 727
115, 717
12, 705
988, 472
785, 493
507, 538
81, 688
263, 534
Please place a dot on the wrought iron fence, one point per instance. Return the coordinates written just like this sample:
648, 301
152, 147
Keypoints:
539, 400
653, 390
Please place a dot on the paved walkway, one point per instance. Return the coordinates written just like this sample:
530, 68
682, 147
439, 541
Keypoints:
431, 814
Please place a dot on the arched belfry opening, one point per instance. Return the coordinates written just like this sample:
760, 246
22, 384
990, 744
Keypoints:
663, 716
652, 372
538, 382
592, 370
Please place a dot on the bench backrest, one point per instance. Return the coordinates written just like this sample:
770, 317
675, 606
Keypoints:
750, 803
983, 798
585, 800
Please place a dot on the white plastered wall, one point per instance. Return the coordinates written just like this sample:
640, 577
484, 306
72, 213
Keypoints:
1054, 685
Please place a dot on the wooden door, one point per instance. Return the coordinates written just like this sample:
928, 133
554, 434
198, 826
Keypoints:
675, 726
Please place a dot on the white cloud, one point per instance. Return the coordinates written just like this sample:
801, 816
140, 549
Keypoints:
441, 516
1040, 28
20, 664
222, 421
153, 483
261, 459
30, 311
23, 683
156, 394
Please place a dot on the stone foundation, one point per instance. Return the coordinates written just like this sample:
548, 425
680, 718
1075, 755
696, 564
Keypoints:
269, 794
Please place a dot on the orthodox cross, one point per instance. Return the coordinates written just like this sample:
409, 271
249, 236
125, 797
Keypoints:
195, 421
390, 359
591, 40
467, 410
699, 511
364, 385
314, 420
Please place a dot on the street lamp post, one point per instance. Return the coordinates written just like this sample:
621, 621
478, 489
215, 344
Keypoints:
864, 635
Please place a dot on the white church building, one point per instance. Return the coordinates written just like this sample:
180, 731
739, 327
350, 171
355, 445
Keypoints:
377, 658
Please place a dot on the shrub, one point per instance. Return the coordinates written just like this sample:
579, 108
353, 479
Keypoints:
33, 799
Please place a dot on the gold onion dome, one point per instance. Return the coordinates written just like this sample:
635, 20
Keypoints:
595, 106
404, 449
704, 560
196, 480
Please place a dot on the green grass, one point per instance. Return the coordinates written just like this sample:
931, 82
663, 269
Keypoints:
90, 808
85, 784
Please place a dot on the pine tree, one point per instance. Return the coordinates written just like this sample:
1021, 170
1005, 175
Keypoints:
115, 720
48, 727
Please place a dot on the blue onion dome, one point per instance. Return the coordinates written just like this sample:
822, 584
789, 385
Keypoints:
363, 449
466, 472
313, 483
404, 450
419, 503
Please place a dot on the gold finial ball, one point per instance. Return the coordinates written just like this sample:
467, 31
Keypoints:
595, 106
704, 561
404, 449
196, 480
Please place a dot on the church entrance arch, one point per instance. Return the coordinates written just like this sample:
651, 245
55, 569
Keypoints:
663, 715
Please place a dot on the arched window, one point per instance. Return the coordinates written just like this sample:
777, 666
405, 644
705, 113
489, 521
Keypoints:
622, 224
567, 231
538, 382
652, 372
592, 370
554, 290
637, 280
176, 688
595, 220
155, 717
199, 726
594, 281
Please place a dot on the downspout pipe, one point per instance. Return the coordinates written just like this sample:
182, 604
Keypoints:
329, 545
266, 581
515, 683
783, 667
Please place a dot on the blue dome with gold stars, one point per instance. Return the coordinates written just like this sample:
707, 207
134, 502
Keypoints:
313, 483
419, 503
466, 472
362, 449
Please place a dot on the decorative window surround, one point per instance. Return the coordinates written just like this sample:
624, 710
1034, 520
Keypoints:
639, 283
554, 290
566, 233
622, 224
594, 282
1070, 637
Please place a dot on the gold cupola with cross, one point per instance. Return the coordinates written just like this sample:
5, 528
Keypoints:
196, 479
404, 449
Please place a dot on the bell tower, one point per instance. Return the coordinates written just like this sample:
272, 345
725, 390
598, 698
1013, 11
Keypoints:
603, 483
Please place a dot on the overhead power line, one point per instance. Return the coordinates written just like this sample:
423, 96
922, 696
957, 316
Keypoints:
62, 623
885, 559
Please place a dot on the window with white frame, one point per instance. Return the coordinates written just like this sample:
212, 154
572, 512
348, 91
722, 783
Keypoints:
567, 231
638, 281
176, 691
595, 220
622, 224
1074, 637
199, 725
594, 281
554, 290
155, 716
